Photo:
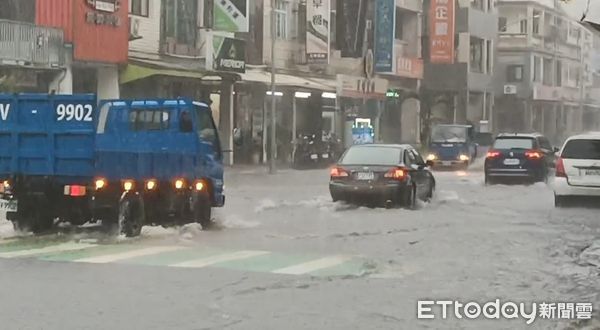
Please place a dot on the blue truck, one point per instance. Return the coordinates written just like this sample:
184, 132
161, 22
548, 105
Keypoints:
123, 162
452, 146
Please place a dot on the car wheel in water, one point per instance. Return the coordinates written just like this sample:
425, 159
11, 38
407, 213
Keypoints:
488, 181
131, 216
202, 210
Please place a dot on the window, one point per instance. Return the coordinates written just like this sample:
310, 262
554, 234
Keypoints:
536, 22
548, 74
514, 73
368, 155
582, 149
523, 26
139, 7
180, 21
148, 120
399, 24
476, 55
207, 130
281, 17
537, 69
513, 143
478, 4
502, 24
558, 73
418, 159
489, 57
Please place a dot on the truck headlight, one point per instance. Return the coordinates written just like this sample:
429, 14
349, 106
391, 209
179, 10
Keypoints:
431, 157
463, 158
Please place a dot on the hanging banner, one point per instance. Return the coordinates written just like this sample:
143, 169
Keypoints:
231, 15
317, 31
351, 25
384, 35
441, 31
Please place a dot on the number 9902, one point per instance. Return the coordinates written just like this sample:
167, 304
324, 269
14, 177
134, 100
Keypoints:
74, 112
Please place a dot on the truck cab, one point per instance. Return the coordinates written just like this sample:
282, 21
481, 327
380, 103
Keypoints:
452, 146
157, 162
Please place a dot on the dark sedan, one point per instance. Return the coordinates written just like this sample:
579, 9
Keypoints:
380, 174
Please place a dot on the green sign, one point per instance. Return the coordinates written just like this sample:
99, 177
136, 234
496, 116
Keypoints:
231, 15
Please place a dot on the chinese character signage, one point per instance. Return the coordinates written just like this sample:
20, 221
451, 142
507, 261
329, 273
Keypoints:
317, 31
384, 35
231, 15
441, 31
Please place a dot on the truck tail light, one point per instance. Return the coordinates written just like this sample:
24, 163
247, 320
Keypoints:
199, 185
151, 184
396, 174
100, 183
338, 172
179, 184
128, 185
75, 191
560, 168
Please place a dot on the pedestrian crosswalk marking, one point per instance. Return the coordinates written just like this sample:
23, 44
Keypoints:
115, 257
312, 266
65, 247
208, 261
186, 256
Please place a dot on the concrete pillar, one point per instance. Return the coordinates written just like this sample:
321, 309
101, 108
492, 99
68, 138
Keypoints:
108, 83
226, 121
63, 81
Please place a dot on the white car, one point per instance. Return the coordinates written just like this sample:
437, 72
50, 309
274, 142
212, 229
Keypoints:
578, 169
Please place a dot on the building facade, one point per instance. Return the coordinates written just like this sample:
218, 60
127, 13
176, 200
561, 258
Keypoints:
460, 39
543, 69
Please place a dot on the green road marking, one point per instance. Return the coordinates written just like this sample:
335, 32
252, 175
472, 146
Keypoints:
99, 250
264, 263
352, 267
29, 244
174, 257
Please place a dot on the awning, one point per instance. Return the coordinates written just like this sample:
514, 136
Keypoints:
288, 80
135, 72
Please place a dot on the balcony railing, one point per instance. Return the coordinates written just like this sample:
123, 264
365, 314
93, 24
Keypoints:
25, 44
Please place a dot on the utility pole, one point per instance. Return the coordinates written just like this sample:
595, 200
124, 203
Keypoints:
273, 133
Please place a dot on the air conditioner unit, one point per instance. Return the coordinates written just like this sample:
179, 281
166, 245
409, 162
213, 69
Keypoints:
134, 27
510, 89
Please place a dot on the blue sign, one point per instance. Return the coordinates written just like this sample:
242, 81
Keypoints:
384, 35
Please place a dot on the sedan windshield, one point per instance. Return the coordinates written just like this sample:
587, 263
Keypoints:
514, 143
372, 156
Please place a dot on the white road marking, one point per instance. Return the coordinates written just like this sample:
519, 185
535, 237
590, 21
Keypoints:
48, 249
312, 266
203, 262
104, 259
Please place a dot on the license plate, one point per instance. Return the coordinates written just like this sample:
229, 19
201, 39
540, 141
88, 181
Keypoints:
365, 176
592, 172
325, 156
314, 156
9, 206
512, 161
446, 163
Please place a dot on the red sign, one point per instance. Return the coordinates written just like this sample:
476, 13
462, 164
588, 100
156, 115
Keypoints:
409, 67
441, 31
98, 29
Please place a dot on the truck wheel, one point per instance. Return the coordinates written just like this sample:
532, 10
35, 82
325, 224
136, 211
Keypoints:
131, 216
33, 217
202, 210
